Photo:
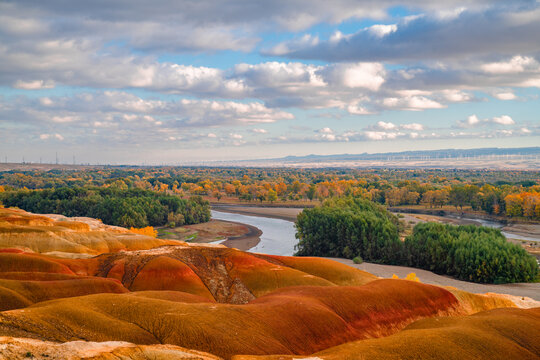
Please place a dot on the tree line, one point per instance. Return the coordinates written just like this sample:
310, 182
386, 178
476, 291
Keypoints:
512, 194
127, 208
358, 228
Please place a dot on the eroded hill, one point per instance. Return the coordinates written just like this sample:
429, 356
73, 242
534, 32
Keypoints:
227, 303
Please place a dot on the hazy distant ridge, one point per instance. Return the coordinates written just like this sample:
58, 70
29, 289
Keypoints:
419, 154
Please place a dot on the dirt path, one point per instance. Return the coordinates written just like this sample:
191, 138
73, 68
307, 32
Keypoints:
531, 290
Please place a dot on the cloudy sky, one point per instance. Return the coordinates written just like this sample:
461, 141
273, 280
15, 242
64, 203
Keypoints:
133, 81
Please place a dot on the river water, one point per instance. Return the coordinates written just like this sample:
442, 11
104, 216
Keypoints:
498, 225
278, 236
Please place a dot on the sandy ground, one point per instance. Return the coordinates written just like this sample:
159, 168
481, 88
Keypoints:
531, 290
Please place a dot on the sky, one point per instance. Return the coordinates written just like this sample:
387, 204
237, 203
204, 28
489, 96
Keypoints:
172, 82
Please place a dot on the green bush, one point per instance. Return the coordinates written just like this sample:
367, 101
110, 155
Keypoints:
471, 253
357, 260
349, 227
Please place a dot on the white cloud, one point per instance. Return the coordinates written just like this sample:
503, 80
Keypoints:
356, 109
411, 103
386, 125
259, 131
515, 65
503, 120
358, 75
380, 30
51, 136
64, 119
413, 126
33, 84
508, 95
381, 135
474, 121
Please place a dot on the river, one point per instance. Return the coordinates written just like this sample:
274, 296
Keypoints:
500, 226
278, 236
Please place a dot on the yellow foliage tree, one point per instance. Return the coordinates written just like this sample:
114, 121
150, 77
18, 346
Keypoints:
148, 231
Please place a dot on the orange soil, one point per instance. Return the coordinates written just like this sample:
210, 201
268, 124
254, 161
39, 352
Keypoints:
65, 236
228, 302
298, 320
497, 334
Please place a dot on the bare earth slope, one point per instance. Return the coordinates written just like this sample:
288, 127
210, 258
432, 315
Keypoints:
75, 289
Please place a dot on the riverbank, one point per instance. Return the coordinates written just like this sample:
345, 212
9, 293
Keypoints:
282, 213
231, 233
531, 290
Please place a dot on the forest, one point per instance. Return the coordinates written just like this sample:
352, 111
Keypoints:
127, 208
506, 194
360, 229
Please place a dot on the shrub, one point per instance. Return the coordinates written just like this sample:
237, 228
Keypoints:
349, 227
471, 253
358, 260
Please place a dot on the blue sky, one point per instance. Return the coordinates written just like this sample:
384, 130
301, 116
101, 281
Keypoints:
129, 82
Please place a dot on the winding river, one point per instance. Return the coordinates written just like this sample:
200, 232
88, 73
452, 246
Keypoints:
278, 236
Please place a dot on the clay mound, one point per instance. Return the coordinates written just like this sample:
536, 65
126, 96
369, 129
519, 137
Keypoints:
298, 320
15, 294
333, 271
215, 273
165, 273
227, 275
21, 217
31, 263
61, 235
496, 334
22, 348
175, 296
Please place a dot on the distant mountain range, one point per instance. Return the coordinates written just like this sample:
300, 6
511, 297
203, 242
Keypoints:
484, 158
413, 155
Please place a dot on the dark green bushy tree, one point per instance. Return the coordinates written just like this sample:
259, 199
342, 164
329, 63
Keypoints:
348, 228
471, 253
